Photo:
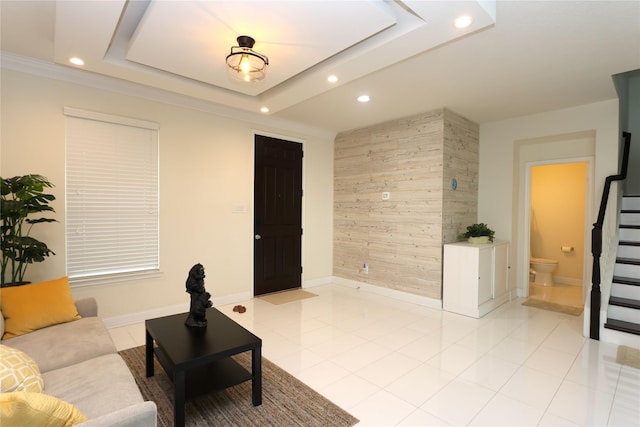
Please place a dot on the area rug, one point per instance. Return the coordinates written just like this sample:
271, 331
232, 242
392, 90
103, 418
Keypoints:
285, 400
287, 296
551, 306
628, 356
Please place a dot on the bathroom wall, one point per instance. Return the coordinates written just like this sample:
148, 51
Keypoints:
558, 199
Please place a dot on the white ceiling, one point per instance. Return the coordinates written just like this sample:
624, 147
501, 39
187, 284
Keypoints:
517, 58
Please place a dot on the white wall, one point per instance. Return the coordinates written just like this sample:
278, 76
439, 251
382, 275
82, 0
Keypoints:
633, 174
500, 142
206, 169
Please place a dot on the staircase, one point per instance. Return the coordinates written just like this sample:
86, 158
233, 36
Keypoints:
623, 312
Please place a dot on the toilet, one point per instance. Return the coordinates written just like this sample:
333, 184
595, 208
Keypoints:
543, 269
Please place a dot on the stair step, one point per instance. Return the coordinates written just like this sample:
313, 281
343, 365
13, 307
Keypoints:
626, 280
631, 202
628, 243
621, 312
629, 233
623, 290
630, 217
627, 267
625, 302
632, 261
628, 250
620, 325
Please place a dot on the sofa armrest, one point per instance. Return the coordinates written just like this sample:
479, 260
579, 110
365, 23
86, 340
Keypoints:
87, 307
143, 414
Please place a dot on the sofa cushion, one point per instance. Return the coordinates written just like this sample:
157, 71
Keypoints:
37, 409
97, 386
65, 344
18, 372
27, 308
143, 414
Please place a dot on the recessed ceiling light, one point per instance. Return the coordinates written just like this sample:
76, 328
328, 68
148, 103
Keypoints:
332, 78
364, 98
76, 61
264, 109
463, 21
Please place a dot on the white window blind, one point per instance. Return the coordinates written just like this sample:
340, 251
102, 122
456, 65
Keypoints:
112, 223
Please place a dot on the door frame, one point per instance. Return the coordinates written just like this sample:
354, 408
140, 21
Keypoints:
255, 132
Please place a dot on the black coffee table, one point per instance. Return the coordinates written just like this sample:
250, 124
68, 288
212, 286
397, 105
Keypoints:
198, 360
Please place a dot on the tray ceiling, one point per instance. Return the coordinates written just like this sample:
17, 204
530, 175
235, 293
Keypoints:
517, 57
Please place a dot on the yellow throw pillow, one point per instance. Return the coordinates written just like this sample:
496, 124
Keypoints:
18, 371
37, 409
27, 308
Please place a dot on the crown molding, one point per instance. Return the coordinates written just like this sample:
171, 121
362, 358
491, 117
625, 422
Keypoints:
46, 69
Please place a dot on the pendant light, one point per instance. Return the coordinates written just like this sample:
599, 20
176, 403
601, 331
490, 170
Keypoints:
244, 63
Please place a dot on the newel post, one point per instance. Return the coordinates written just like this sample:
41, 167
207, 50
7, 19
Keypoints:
596, 250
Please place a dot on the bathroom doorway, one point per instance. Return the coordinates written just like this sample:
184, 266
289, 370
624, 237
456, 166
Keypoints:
558, 206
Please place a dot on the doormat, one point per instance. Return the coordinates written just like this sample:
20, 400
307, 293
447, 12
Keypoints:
552, 306
628, 356
287, 296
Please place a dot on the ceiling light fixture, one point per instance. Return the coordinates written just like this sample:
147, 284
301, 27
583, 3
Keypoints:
76, 61
244, 63
364, 98
332, 78
264, 109
463, 21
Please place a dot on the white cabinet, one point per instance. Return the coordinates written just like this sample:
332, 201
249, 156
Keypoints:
475, 277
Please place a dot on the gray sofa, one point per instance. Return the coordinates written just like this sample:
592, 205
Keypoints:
80, 365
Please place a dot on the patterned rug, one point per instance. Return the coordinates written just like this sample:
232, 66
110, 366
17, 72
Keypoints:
285, 400
551, 306
628, 356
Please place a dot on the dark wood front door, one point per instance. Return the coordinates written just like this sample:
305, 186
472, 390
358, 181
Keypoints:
277, 215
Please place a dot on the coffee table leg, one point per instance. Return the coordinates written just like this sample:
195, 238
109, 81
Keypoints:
149, 354
178, 404
256, 374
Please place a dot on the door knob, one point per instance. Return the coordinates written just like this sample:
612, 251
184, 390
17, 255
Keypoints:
258, 237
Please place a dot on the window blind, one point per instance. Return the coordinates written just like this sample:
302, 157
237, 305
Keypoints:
112, 224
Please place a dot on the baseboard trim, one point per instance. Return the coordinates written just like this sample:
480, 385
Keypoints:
390, 293
317, 282
141, 316
232, 299
561, 280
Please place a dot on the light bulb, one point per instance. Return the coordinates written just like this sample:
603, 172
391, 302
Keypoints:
245, 64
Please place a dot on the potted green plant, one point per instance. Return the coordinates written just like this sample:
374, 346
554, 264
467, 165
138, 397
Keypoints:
479, 233
22, 196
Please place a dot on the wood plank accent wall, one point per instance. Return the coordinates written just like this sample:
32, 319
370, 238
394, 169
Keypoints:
400, 239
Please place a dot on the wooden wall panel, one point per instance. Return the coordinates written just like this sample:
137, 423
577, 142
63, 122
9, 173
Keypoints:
414, 159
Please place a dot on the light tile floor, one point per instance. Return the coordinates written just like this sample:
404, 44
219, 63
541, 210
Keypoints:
390, 362
558, 293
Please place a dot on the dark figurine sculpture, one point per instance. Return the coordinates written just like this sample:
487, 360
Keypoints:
199, 298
